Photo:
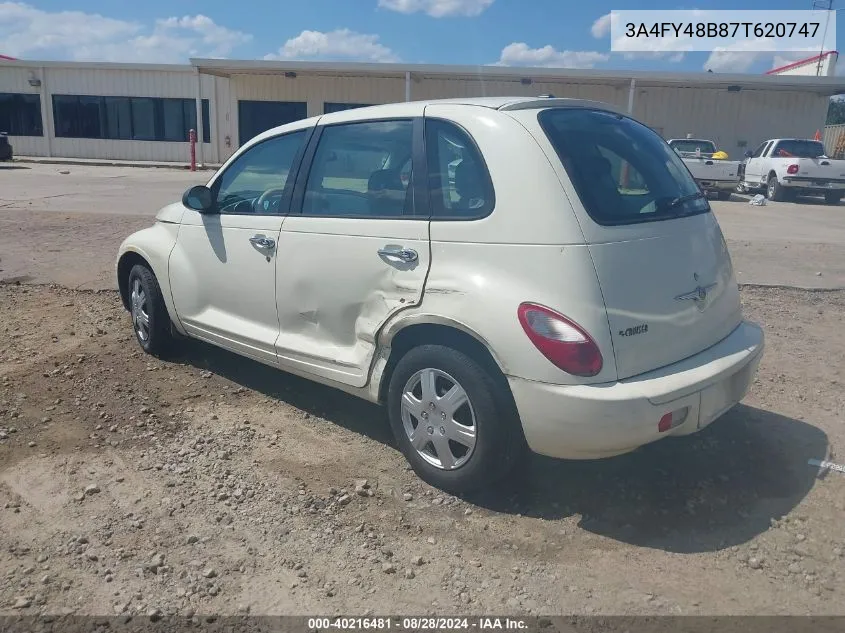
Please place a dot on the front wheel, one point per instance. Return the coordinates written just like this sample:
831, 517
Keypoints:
452, 420
150, 320
832, 197
774, 190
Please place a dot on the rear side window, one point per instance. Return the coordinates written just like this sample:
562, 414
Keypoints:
623, 172
460, 184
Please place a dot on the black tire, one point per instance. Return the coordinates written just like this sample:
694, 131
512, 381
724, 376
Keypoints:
159, 340
723, 195
832, 197
774, 190
499, 442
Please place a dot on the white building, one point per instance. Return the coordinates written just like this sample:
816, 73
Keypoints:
143, 112
823, 65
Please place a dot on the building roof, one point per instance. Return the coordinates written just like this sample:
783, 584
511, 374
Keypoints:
622, 78
821, 85
801, 62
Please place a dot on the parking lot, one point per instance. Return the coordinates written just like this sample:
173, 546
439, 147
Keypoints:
211, 484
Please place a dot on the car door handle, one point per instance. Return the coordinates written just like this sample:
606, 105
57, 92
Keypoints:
406, 255
262, 242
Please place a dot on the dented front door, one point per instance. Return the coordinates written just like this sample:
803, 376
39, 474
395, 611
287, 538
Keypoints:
337, 282
354, 249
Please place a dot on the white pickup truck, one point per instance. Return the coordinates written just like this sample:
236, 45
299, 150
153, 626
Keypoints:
787, 167
711, 174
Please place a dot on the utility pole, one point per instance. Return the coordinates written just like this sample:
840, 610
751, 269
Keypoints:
827, 6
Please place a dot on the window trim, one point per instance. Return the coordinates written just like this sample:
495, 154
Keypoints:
420, 212
290, 183
491, 189
544, 114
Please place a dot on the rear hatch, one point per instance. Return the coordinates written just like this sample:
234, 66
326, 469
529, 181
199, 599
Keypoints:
661, 260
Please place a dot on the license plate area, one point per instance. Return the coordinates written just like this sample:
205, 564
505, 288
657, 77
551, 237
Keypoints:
719, 397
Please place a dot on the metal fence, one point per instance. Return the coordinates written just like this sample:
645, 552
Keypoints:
834, 140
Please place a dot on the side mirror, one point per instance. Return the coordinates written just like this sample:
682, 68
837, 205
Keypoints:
199, 198
748, 153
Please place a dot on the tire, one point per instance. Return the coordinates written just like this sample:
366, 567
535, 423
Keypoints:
774, 190
723, 195
455, 467
147, 304
832, 197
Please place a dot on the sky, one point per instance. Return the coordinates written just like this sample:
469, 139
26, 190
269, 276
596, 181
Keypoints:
551, 33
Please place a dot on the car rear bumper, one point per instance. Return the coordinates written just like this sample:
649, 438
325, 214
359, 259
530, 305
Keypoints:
602, 420
717, 185
819, 186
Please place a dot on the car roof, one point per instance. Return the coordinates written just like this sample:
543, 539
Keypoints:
417, 108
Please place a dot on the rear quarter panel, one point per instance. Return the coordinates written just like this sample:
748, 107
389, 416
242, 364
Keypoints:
530, 248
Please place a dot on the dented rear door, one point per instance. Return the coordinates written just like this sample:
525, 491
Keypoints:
354, 250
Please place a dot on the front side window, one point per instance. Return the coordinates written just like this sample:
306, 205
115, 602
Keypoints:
623, 172
362, 170
460, 183
258, 180
759, 151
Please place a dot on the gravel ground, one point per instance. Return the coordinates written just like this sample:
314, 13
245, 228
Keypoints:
211, 484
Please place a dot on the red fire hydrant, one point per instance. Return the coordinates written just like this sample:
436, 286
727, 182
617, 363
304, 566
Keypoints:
192, 137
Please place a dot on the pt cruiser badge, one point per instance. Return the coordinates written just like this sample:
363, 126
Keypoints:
699, 295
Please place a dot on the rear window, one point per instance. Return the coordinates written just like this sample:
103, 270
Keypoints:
623, 171
798, 149
689, 146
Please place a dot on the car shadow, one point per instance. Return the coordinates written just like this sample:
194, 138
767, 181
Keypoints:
705, 492
13, 166
328, 403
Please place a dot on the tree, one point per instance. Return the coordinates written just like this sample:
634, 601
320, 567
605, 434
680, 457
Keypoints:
836, 111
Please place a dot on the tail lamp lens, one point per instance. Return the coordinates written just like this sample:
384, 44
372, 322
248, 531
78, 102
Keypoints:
566, 344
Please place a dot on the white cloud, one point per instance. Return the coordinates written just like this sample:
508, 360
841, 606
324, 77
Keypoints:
438, 8
601, 27
340, 44
741, 56
669, 56
520, 54
26, 31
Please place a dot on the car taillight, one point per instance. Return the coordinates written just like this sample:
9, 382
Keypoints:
792, 169
560, 340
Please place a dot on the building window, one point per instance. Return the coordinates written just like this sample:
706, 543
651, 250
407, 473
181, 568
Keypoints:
20, 114
328, 107
255, 117
128, 118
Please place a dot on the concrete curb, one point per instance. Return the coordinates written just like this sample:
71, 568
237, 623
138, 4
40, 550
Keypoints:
110, 163
786, 287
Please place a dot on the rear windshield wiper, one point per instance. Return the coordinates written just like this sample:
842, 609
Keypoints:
676, 202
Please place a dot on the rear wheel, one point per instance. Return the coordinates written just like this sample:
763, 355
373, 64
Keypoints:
150, 320
451, 419
724, 195
774, 190
832, 197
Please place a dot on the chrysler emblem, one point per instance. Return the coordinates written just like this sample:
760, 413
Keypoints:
698, 295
